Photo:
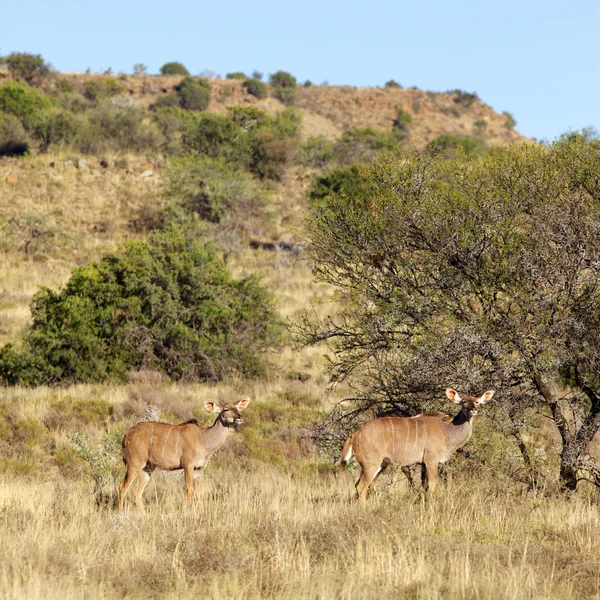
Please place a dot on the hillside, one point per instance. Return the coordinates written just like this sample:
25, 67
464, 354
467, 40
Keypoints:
331, 110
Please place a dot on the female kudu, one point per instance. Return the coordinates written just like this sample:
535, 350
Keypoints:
152, 445
405, 441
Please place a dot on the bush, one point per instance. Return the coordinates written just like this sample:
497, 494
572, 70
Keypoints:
193, 94
30, 67
172, 121
167, 304
21, 100
284, 86
236, 75
316, 152
55, 126
13, 139
256, 87
449, 144
212, 135
116, 124
510, 122
98, 89
212, 191
392, 84
465, 99
346, 181
357, 145
174, 68
402, 121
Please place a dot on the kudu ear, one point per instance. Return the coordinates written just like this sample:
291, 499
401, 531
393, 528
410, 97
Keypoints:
212, 407
453, 395
486, 397
243, 404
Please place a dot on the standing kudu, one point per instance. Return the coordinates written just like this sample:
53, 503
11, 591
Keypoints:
152, 445
404, 441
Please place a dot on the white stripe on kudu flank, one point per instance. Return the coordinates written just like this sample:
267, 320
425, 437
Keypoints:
416, 434
393, 437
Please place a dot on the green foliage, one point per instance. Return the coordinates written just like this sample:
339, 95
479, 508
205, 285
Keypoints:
211, 191
21, 100
236, 75
357, 145
116, 124
13, 139
140, 69
29, 67
55, 126
464, 99
316, 152
256, 87
284, 86
402, 121
174, 68
510, 122
98, 89
469, 272
449, 144
212, 134
392, 83
193, 94
347, 181
167, 304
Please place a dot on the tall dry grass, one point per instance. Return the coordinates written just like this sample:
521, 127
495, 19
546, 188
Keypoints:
266, 532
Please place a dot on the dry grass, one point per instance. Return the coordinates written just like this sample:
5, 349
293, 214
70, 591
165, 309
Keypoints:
265, 532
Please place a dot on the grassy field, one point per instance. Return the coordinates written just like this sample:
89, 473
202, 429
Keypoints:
268, 532
276, 521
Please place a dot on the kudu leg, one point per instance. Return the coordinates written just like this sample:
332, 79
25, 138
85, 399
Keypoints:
140, 483
366, 479
198, 479
125, 484
189, 482
432, 472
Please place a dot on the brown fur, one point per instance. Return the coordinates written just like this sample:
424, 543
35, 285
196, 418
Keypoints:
153, 445
404, 441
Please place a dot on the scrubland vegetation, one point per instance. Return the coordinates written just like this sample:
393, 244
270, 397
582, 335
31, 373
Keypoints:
172, 239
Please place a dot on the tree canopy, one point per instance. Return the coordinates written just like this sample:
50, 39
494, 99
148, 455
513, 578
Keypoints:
472, 273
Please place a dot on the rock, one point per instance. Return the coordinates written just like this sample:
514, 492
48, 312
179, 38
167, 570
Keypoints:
147, 173
81, 164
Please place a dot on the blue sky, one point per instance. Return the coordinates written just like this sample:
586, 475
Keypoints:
536, 59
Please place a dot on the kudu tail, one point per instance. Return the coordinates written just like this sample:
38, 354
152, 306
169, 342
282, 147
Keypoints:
346, 454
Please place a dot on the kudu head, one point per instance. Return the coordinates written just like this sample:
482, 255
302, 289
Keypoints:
470, 404
229, 414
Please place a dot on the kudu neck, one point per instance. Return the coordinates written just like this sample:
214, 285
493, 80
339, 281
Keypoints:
460, 429
215, 435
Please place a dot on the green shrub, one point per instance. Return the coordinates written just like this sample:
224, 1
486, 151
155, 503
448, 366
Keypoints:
449, 144
193, 94
140, 69
316, 152
174, 68
357, 145
392, 83
212, 191
73, 102
64, 86
256, 87
249, 117
98, 89
170, 100
55, 127
168, 304
171, 122
284, 86
117, 124
340, 181
402, 121
21, 100
13, 139
510, 122
22, 65
236, 75
465, 99
211, 135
